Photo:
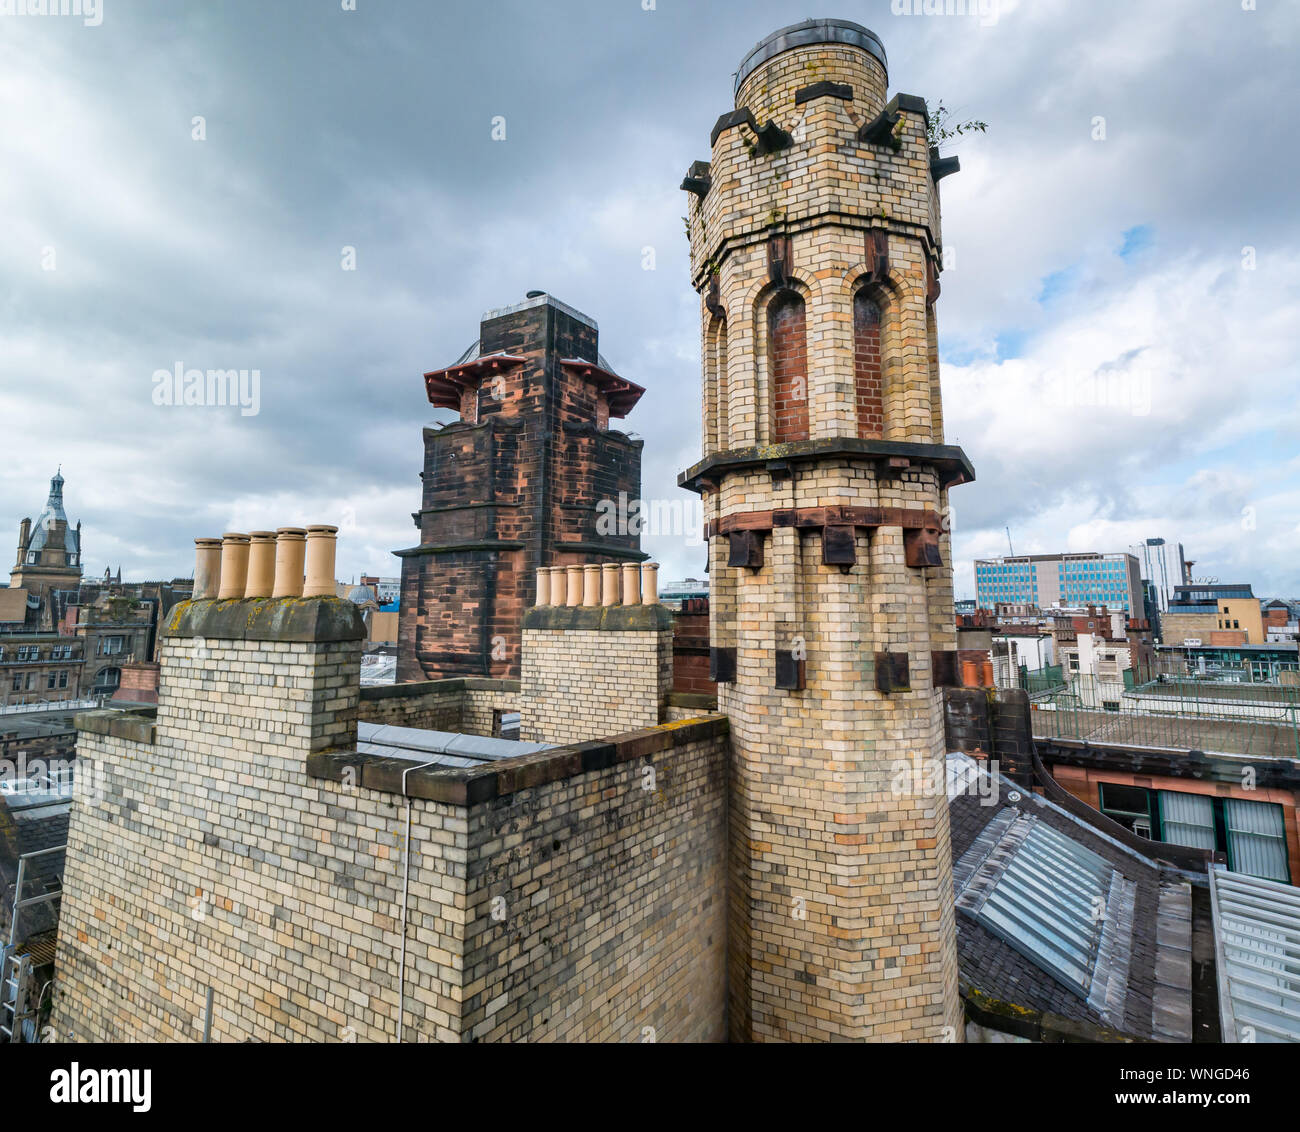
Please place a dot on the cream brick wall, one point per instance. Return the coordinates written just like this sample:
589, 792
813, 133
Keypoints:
580, 684
213, 857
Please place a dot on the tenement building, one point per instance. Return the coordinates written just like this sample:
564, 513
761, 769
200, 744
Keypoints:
513, 486
277, 853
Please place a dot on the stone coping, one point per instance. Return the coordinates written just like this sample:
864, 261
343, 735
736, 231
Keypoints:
468, 786
315, 620
137, 724
705, 703
416, 688
601, 618
948, 459
1036, 1025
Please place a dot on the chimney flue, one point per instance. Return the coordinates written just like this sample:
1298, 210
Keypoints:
573, 585
261, 564
290, 546
609, 587
543, 586
207, 568
631, 584
591, 584
234, 565
649, 583
321, 545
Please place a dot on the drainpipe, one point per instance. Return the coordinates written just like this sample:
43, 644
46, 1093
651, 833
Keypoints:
406, 887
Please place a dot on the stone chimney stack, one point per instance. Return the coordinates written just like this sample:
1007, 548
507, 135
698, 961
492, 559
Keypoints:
593, 665
816, 249
280, 675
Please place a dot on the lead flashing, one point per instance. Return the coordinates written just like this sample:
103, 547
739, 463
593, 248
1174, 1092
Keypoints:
807, 34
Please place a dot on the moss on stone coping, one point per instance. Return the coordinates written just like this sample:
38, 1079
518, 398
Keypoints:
305, 619
607, 618
1036, 1025
470, 786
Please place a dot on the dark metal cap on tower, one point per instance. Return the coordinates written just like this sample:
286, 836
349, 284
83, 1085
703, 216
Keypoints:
809, 32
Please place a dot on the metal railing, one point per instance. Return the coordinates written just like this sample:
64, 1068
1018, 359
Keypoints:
1189, 725
52, 705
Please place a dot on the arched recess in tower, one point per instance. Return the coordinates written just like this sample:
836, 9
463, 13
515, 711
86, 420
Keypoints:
715, 391
787, 352
868, 365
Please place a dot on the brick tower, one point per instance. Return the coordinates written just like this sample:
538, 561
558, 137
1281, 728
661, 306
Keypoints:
516, 484
815, 247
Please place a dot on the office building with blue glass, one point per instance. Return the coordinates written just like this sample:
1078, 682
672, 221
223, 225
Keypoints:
1045, 580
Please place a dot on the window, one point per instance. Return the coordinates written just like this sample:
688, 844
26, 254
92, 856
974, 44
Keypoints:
17, 684
1131, 807
63, 678
1256, 838
50, 681
107, 681
1251, 834
1188, 819
110, 646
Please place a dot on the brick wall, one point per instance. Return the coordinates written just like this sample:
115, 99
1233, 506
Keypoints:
590, 671
571, 895
868, 375
512, 486
841, 924
462, 704
788, 363
691, 649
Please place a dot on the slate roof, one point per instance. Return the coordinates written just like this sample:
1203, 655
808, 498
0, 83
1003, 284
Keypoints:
1142, 956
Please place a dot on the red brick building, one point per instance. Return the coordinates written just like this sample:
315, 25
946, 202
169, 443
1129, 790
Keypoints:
515, 484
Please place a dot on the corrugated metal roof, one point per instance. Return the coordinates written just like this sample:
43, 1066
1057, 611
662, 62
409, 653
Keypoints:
1257, 948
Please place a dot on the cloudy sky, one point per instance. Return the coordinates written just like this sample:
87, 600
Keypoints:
1119, 319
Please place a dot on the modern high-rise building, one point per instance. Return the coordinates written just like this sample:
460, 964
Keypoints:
1045, 580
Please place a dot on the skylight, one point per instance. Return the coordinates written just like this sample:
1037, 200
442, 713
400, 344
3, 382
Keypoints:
1042, 893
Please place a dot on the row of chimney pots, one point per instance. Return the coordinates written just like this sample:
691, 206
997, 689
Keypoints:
597, 584
288, 562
